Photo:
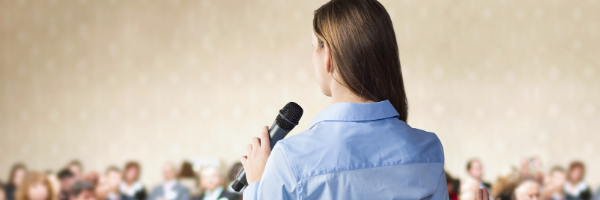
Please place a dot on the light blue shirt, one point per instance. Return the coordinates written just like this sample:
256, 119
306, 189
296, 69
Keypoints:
355, 151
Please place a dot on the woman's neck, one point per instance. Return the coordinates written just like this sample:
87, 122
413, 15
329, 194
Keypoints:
340, 93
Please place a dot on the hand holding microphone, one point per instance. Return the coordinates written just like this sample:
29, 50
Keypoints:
260, 149
258, 153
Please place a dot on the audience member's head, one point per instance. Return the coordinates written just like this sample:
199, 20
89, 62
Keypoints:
54, 182
92, 177
506, 183
76, 168
113, 176
475, 169
187, 170
17, 174
35, 186
210, 178
576, 172
558, 176
527, 190
235, 169
82, 190
131, 172
66, 179
169, 171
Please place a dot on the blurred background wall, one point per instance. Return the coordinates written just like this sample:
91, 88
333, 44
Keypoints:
167, 80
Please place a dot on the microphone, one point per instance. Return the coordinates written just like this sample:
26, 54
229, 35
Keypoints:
288, 118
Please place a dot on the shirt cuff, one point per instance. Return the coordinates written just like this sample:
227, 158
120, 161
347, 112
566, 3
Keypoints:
251, 191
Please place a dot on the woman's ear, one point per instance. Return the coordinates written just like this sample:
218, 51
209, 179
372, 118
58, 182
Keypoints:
327, 58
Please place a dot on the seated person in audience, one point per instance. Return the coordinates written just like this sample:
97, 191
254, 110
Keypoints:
131, 188
76, 168
475, 170
575, 188
35, 186
187, 177
170, 189
82, 190
66, 179
211, 181
553, 189
17, 173
108, 188
527, 190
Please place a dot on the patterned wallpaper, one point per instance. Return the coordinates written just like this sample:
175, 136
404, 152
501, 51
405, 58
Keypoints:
106, 81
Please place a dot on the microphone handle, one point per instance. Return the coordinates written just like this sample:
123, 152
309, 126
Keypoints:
276, 133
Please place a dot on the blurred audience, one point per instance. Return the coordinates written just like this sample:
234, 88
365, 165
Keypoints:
66, 179
211, 181
527, 190
35, 186
131, 188
475, 170
82, 190
16, 176
575, 188
529, 182
171, 189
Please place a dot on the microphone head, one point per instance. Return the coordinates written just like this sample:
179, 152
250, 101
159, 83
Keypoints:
289, 116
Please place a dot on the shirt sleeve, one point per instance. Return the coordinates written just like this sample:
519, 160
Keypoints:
278, 180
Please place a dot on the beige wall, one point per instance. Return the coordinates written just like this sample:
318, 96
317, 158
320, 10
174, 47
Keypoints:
156, 80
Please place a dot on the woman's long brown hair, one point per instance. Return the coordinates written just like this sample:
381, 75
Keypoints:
364, 52
31, 179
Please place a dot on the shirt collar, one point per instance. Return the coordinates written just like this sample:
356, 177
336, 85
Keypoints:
354, 112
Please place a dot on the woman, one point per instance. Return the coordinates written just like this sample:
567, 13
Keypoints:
36, 186
575, 188
17, 173
360, 147
131, 188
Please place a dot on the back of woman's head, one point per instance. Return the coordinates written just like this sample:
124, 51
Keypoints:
35, 186
364, 52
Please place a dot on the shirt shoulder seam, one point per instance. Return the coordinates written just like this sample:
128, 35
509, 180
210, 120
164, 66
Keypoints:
285, 155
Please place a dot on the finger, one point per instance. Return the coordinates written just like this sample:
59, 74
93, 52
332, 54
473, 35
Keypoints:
479, 194
498, 198
249, 149
265, 139
244, 159
485, 193
255, 143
